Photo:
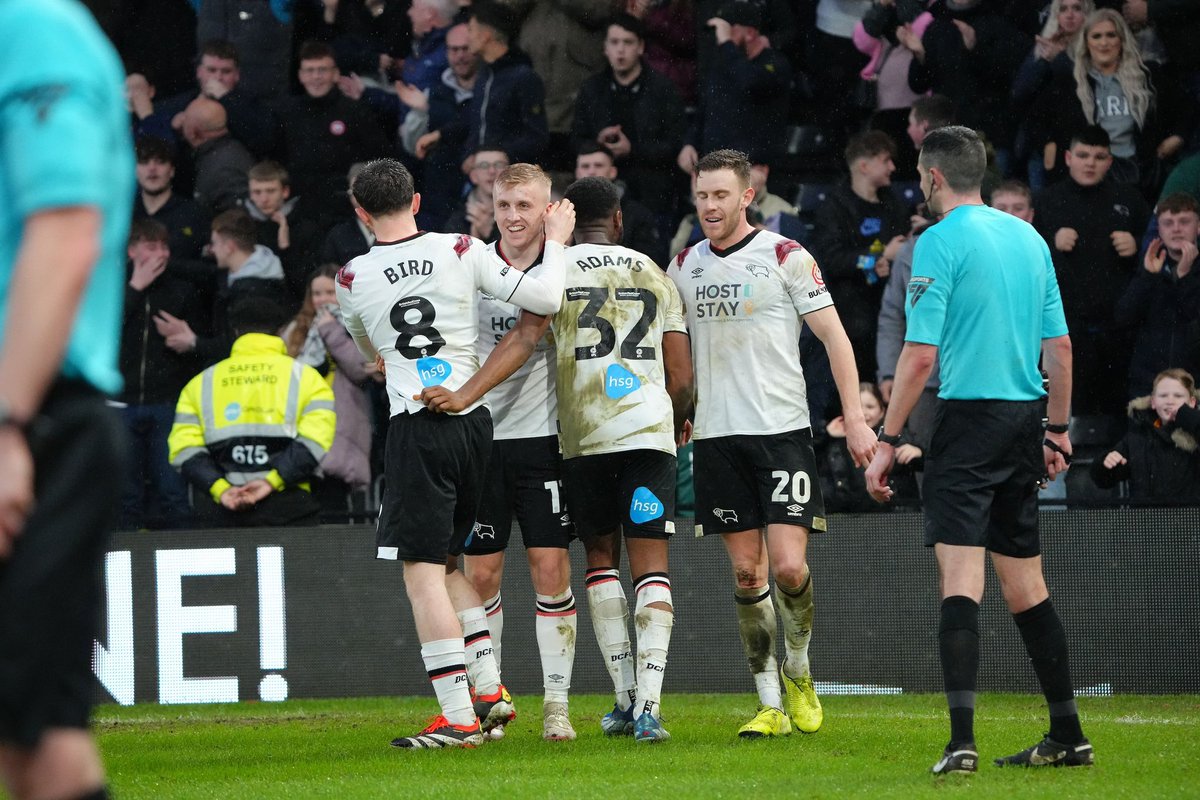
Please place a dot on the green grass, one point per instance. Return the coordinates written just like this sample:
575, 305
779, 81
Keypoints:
869, 747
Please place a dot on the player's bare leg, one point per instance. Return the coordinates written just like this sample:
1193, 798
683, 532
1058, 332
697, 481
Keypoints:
1025, 592
787, 547
443, 651
756, 627
485, 573
65, 763
653, 618
491, 701
610, 621
556, 626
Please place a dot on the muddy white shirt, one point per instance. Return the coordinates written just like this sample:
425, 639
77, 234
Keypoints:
524, 405
612, 386
744, 307
416, 300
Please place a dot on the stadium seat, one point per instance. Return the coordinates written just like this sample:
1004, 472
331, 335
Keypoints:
810, 196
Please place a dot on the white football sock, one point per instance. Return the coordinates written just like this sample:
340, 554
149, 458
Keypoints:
556, 625
444, 663
756, 626
481, 664
610, 621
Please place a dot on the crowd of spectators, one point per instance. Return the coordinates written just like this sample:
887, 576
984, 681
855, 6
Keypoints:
250, 118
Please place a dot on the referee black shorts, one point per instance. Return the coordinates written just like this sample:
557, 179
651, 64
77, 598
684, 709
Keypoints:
524, 479
50, 590
434, 468
981, 476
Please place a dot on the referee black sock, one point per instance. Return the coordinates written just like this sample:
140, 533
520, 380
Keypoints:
1046, 642
958, 645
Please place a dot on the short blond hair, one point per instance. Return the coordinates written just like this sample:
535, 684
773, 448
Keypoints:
520, 175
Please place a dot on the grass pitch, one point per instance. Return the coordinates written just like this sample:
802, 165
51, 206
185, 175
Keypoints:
868, 747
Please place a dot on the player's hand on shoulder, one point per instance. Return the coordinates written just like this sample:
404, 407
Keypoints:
441, 400
560, 221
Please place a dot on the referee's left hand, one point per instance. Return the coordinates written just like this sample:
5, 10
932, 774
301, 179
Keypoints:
16, 487
1056, 463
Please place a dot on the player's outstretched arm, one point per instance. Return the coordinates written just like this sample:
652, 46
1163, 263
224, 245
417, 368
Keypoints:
826, 324
509, 354
681, 384
1057, 361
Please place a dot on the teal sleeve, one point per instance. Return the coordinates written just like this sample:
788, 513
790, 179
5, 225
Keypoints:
53, 128
1054, 321
929, 290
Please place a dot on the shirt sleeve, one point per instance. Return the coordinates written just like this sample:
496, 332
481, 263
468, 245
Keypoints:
804, 282
344, 287
539, 293
56, 151
673, 319
1054, 321
929, 290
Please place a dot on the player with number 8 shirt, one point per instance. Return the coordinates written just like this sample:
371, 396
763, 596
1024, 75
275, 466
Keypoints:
413, 301
746, 294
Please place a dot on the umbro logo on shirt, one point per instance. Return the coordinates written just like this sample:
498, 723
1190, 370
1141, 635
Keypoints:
697, 272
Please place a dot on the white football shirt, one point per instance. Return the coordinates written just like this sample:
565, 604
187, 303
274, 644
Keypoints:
744, 307
416, 301
612, 386
524, 405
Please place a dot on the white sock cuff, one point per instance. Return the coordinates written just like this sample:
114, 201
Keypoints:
556, 605
441, 649
472, 619
653, 587
493, 605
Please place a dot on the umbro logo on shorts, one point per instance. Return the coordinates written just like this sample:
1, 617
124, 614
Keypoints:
794, 510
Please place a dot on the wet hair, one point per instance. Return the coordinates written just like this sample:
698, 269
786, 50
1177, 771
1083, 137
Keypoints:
960, 155
595, 199
520, 174
734, 160
384, 186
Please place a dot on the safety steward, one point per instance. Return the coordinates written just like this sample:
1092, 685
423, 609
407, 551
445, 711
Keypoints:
250, 431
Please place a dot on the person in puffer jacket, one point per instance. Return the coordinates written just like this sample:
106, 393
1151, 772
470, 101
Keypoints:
1158, 455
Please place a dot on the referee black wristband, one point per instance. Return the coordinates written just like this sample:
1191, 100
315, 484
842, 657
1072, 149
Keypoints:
1052, 428
894, 441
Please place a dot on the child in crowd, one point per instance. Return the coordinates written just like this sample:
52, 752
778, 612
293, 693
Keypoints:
1158, 454
844, 485
317, 337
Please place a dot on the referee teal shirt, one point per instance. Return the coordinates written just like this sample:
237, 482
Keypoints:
64, 141
983, 291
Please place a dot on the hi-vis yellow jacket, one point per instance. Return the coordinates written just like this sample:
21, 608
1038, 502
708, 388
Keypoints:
258, 414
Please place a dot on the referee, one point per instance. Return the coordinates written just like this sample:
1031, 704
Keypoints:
983, 298
66, 190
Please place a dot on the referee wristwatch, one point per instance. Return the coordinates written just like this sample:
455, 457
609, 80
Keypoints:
894, 441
